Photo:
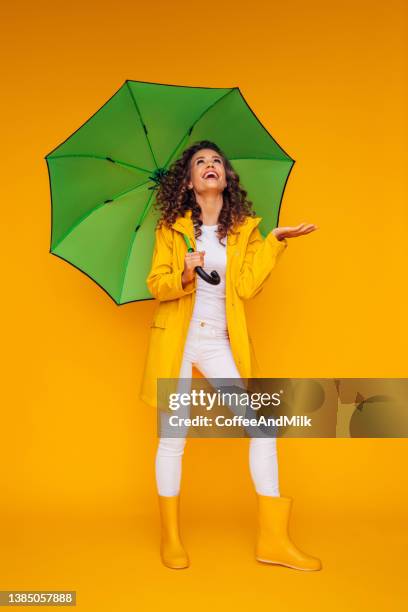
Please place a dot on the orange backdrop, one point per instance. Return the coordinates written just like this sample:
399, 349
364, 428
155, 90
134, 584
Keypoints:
328, 79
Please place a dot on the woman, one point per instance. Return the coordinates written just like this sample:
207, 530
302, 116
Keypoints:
200, 324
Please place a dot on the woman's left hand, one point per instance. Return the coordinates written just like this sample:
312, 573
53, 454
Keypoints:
293, 232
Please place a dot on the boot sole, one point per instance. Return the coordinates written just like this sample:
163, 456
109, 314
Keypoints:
182, 565
303, 569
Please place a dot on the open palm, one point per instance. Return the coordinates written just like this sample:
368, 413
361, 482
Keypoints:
293, 232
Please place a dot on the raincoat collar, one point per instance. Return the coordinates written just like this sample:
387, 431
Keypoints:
185, 224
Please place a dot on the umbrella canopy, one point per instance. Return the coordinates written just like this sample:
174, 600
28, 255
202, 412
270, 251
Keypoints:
103, 177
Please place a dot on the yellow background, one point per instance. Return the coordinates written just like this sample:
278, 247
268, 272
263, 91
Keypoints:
79, 509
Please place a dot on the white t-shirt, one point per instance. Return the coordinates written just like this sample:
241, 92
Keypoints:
210, 299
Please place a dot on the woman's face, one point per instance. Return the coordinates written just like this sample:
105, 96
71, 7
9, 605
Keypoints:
207, 172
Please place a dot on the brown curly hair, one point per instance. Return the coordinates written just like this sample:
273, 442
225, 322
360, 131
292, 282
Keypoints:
174, 198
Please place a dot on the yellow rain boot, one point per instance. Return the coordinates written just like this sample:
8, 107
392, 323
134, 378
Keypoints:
274, 544
172, 550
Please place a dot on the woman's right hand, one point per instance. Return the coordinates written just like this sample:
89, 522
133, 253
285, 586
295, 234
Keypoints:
191, 261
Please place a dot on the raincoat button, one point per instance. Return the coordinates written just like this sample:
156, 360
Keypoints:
202, 323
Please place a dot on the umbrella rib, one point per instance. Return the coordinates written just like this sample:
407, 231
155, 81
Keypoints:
142, 216
130, 249
89, 212
102, 158
190, 129
125, 192
142, 122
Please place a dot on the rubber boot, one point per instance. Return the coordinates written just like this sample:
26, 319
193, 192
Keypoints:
273, 542
172, 550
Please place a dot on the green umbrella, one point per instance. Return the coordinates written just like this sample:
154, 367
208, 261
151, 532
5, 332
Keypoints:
103, 177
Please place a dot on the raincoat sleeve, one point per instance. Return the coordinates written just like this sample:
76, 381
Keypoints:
260, 258
164, 282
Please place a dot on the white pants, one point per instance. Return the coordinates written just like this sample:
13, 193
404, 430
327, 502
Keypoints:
208, 349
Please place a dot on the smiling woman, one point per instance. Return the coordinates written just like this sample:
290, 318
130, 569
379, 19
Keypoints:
204, 325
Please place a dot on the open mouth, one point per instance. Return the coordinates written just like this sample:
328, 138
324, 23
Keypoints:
210, 174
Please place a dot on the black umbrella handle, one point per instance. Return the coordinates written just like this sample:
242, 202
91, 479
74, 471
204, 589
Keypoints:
213, 278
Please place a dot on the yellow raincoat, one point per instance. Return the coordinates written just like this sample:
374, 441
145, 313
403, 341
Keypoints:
250, 260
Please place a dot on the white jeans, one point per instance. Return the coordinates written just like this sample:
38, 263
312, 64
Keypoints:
208, 349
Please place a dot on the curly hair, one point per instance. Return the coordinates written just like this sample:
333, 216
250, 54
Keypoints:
174, 198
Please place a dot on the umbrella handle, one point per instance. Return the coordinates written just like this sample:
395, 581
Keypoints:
213, 278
